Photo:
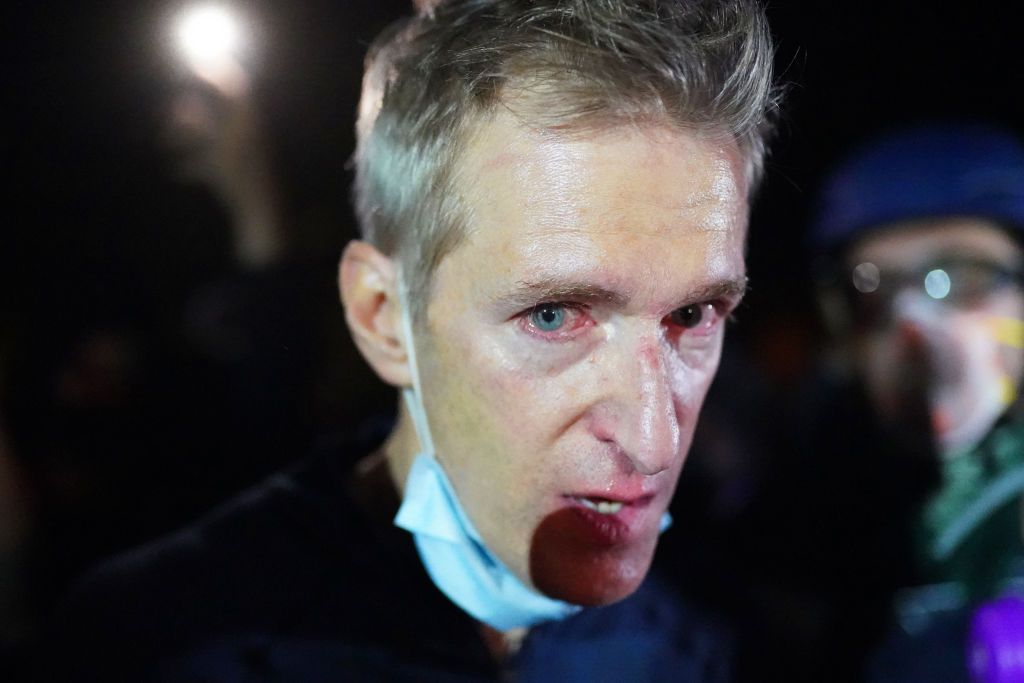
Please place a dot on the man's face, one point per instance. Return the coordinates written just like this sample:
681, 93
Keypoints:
942, 328
570, 340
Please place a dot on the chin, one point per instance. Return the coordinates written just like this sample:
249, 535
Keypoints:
567, 568
595, 584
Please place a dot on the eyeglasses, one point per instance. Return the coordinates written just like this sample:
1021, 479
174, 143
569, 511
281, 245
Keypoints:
961, 283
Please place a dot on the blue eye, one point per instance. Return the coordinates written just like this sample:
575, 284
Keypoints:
548, 317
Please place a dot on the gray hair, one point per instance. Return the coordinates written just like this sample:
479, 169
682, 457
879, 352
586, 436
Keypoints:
562, 65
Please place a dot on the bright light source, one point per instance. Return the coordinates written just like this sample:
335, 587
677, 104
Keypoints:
937, 284
208, 35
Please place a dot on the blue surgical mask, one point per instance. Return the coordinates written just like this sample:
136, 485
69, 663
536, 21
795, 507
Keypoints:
454, 555
457, 560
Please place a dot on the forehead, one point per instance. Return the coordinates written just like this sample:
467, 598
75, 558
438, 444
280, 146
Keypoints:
633, 205
917, 243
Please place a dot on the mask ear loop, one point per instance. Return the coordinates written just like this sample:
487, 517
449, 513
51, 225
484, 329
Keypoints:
413, 396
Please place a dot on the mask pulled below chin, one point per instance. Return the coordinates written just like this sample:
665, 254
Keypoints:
458, 562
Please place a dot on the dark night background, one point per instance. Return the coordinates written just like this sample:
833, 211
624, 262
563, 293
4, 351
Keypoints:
98, 227
87, 83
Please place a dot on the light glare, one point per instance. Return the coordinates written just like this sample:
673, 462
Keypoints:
866, 277
937, 284
208, 34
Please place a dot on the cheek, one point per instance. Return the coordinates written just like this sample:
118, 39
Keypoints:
530, 389
1009, 304
690, 372
508, 411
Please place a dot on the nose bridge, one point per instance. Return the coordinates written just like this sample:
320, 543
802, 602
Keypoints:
647, 428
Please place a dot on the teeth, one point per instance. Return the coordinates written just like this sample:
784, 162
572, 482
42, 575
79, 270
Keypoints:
605, 507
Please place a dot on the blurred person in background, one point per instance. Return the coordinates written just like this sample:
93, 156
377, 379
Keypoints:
554, 200
921, 270
885, 509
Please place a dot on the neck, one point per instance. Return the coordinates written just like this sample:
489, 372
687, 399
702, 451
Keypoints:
399, 450
401, 447
503, 644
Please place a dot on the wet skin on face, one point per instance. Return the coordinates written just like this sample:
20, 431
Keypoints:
571, 337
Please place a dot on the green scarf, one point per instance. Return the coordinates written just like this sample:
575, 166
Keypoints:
970, 530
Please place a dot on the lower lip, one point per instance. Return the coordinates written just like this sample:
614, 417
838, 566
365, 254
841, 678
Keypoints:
593, 527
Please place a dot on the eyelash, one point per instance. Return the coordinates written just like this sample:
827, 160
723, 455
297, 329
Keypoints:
571, 309
711, 316
704, 327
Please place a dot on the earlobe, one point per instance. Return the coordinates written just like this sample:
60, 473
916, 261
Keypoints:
369, 292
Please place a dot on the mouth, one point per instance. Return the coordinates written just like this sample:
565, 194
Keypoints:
611, 521
609, 506
602, 506
613, 502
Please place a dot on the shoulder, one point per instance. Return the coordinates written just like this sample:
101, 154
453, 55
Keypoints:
252, 564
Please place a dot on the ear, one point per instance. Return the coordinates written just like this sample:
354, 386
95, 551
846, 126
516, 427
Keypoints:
369, 291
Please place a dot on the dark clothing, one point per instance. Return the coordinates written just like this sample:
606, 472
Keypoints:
828, 558
294, 581
809, 567
971, 554
936, 652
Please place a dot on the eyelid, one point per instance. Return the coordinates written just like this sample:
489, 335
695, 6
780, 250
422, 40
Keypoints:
571, 307
723, 307
721, 310
568, 305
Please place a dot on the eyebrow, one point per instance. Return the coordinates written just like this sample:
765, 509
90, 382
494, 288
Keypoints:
733, 288
531, 293
528, 293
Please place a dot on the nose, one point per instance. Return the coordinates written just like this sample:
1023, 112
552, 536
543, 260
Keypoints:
640, 415
926, 343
